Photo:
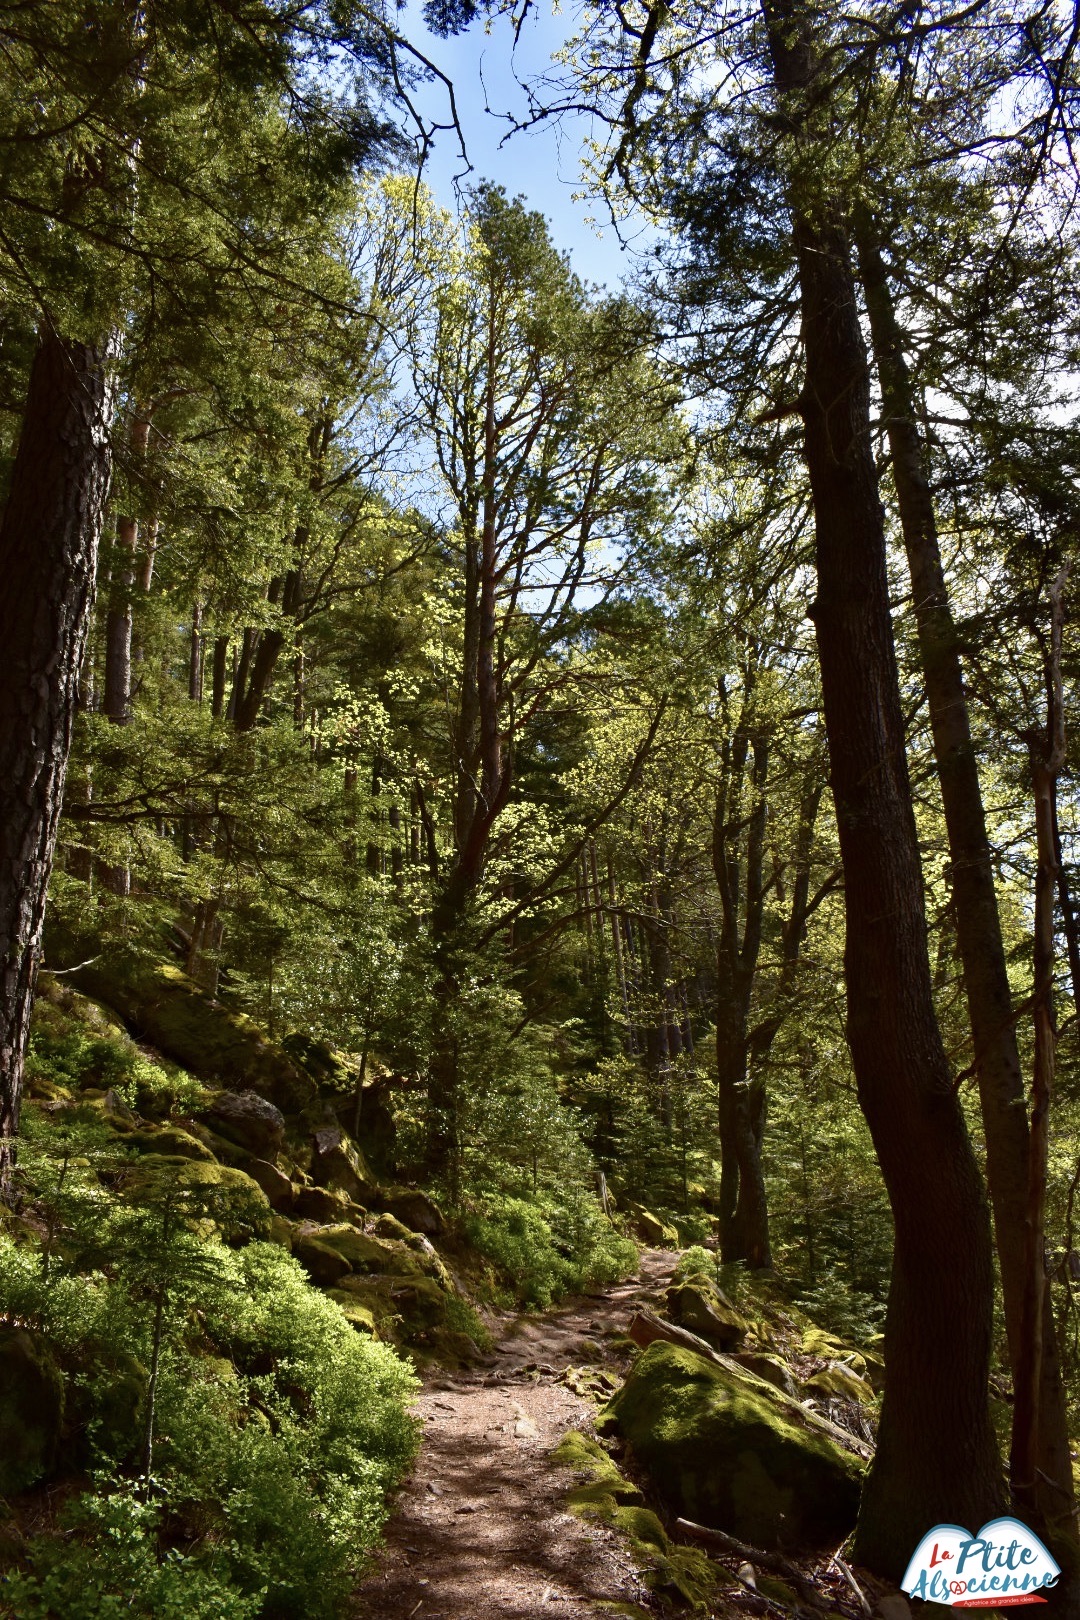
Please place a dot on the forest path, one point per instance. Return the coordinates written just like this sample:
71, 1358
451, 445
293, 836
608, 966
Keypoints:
481, 1530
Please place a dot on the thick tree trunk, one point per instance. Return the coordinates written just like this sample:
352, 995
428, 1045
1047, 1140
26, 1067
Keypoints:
978, 924
49, 537
936, 1459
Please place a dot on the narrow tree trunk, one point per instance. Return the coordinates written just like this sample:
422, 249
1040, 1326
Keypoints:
936, 1459
49, 537
195, 656
1047, 755
117, 699
978, 923
221, 665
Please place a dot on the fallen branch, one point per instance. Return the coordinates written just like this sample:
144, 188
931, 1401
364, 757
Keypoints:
775, 1563
852, 1582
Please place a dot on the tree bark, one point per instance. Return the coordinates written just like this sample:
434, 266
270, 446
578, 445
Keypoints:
936, 1459
978, 924
1047, 755
49, 536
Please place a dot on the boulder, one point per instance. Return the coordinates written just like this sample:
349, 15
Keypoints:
414, 1209
323, 1264
208, 1191
319, 1204
368, 1255
388, 1226
704, 1310
839, 1382
651, 1229
31, 1408
339, 1165
725, 1452
117, 1419
169, 1139
279, 1190
771, 1368
248, 1120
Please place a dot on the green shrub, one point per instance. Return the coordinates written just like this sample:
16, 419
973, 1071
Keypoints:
547, 1248
107, 1567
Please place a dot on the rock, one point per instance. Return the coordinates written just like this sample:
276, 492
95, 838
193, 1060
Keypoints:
771, 1368
31, 1408
651, 1229
841, 1383
211, 1191
187, 1024
367, 1255
356, 1313
704, 1310
339, 1165
323, 1264
115, 1108
249, 1120
172, 1140
281, 1232
117, 1421
724, 1452
414, 1209
388, 1226
319, 1204
893, 1606
279, 1190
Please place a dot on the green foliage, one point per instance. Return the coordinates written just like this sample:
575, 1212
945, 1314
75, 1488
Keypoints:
544, 1249
277, 1430
107, 1565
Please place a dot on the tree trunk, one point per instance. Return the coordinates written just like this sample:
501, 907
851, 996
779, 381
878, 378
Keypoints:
49, 537
1047, 755
117, 699
221, 663
936, 1459
978, 923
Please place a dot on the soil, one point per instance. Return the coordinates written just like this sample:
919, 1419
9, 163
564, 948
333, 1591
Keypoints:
481, 1530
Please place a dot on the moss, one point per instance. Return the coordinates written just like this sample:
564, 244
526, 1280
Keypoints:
169, 1139
31, 1408
355, 1312
193, 1028
366, 1254
728, 1451
706, 1312
228, 1197
681, 1573
841, 1382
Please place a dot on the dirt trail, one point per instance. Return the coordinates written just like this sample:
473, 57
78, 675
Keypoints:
480, 1531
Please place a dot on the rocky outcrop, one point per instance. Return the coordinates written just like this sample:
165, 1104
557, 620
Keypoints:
248, 1120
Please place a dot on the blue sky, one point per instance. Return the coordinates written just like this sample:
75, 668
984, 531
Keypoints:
542, 164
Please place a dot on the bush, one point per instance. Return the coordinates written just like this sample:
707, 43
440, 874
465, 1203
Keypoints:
107, 1567
545, 1249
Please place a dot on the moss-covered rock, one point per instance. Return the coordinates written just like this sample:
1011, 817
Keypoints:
726, 1452
113, 1404
361, 1316
704, 1310
31, 1408
323, 1263
169, 1139
184, 1022
252, 1122
320, 1204
681, 1573
279, 1190
841, 1383
213, 1191
414, 1209
338, 1164
651, 1229
771, 1368
367, 1254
